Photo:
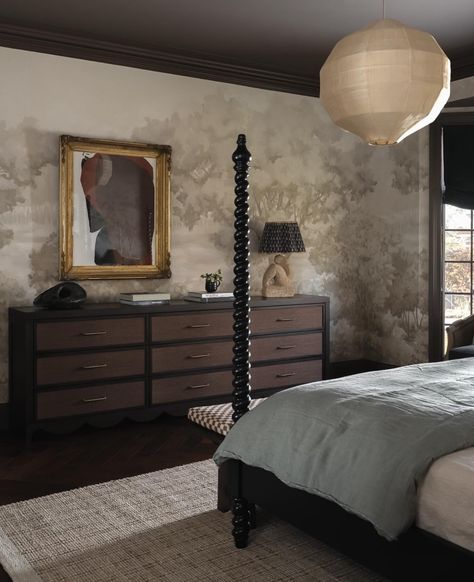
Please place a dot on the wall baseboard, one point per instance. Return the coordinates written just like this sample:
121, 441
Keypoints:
348, 367
4, 420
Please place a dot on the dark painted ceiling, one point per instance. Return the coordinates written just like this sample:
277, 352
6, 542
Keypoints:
279, 44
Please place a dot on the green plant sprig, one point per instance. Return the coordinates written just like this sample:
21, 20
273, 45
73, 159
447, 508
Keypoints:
217, 277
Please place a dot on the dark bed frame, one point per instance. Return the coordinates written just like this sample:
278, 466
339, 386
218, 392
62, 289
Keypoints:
416, 555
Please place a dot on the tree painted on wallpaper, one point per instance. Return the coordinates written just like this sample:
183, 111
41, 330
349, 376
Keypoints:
304, 169
320, 178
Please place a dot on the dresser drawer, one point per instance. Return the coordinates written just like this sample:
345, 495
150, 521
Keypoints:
186, 326
284, 319
91, 399
90, 333
191, 356
286, 374
89, 366
284, 347
191, 387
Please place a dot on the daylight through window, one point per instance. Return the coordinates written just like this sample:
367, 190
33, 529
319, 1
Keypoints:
458, 263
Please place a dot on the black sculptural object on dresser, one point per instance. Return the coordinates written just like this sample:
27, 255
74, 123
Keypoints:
66, 295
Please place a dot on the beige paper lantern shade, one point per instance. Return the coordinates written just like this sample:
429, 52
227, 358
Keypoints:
385, 82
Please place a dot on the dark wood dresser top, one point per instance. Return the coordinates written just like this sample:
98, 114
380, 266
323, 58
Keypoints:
106, 309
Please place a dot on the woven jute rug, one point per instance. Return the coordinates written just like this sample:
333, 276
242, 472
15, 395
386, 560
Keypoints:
157, 527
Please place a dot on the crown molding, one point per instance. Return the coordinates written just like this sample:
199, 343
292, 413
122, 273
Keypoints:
466, 102
203, 67
462, 67
190, 65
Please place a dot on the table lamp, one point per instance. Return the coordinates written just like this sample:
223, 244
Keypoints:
280, 237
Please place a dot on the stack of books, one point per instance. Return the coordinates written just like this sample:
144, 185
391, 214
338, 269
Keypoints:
144, 298
208, 297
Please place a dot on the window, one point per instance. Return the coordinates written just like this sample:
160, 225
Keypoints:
450, 242
458, 263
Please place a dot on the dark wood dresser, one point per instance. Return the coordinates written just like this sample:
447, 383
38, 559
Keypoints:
105, 362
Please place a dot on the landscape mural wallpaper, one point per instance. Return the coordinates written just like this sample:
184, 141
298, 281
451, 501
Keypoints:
362, 211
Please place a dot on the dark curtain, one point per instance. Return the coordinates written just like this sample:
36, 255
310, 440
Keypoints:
458, 165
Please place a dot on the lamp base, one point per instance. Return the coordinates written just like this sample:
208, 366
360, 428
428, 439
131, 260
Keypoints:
278, 291
276, 279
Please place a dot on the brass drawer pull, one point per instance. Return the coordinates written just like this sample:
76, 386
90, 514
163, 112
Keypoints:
197, 356
99, 399
289, 347
196, 386
199, 325
88, 333
285, 319
94, 366
286, 375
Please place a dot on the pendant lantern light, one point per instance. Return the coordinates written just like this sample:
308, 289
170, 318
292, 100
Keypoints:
385, 82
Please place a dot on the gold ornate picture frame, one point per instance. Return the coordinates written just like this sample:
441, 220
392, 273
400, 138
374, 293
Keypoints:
114, 209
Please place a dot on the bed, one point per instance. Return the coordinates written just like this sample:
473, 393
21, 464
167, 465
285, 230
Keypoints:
426, 539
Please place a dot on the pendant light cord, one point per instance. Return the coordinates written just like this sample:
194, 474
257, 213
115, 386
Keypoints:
383, 9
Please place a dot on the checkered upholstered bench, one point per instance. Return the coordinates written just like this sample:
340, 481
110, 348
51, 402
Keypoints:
218, 417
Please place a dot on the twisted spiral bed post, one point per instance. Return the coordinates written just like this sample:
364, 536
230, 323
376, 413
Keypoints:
240, 362
241, 509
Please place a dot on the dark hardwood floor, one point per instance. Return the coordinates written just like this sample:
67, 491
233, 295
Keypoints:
55, 463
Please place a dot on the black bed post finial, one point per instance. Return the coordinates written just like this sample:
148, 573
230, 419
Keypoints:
240, 363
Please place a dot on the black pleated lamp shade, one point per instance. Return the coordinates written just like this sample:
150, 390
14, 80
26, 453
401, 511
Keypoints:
281, 237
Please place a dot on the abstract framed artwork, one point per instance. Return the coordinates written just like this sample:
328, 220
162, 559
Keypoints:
114, 209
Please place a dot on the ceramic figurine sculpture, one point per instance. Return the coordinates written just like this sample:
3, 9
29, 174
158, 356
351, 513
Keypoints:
277, 279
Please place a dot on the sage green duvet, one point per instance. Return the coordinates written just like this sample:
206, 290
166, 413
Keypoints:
363, 441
